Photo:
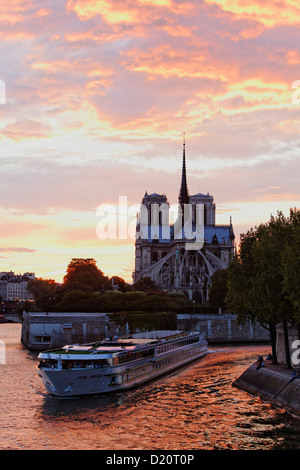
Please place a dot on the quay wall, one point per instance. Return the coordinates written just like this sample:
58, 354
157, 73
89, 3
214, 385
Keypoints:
223, 328
41, 330
273, 385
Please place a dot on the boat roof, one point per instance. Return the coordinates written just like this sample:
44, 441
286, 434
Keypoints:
127, 344
111, 346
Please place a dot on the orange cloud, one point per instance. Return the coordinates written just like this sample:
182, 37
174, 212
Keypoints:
112, 12
17, 250
99, 92
166, 61
41, 13
14, 13
293, 57
132, 12
269, 12
26, 129
167, 3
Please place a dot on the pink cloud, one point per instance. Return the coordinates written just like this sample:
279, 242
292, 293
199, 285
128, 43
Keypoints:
26, 129
18, 250
99, 93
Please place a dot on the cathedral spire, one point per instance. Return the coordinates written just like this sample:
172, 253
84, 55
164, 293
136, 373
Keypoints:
184, 193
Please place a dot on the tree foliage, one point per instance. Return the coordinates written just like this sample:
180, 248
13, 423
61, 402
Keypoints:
263, 279
46, 292
218, 290
83, 274
86, 289
291, 265
146, 284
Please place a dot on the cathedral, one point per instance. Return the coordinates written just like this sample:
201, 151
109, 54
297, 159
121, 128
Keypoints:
177, 259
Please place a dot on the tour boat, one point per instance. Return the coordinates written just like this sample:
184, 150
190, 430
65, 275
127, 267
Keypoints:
116, 364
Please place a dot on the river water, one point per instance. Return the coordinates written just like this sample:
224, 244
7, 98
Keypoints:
195, 409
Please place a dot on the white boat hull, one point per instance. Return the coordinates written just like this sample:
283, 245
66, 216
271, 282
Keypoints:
95, 381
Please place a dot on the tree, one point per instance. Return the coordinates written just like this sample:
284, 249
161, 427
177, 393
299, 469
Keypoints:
263, 280
218, 290
291, 266
269, 303
79, 301
240, 273
120, 283
46, 292
83, 274
145, 284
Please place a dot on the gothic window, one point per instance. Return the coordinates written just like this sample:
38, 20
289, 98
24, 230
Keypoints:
215, 240
154, 257
192, 259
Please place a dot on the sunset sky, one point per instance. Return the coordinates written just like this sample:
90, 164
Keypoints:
98, 95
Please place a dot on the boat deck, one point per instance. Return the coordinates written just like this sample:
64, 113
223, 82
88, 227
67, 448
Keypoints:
114, 345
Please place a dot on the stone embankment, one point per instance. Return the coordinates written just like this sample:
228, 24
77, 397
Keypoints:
273, 383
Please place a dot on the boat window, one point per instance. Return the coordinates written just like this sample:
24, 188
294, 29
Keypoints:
73, 364
132, 356
83, 364
177, 344
48, 363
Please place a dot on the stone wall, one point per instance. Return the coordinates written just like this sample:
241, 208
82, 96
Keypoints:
42, 331
222, 328
274, 385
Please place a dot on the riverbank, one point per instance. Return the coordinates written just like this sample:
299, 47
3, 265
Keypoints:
273, 383
49, 330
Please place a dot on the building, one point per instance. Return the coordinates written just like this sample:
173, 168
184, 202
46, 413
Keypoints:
13, 287
183, 256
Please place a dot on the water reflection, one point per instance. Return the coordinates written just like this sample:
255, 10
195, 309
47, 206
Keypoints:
54, 407
194, 408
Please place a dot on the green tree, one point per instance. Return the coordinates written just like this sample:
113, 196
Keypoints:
79, 301
218, 290
46, 293
83, 274
291, 266
145, 284
258, 279
120, 283
240, 273
269, 302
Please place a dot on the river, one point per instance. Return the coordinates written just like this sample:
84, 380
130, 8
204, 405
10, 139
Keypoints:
195, 408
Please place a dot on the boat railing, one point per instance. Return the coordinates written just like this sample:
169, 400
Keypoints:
70, 365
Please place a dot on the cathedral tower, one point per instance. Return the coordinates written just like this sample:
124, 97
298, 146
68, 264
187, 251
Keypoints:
184, 192
168, 260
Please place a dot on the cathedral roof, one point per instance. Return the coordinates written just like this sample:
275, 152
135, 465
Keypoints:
220, 234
